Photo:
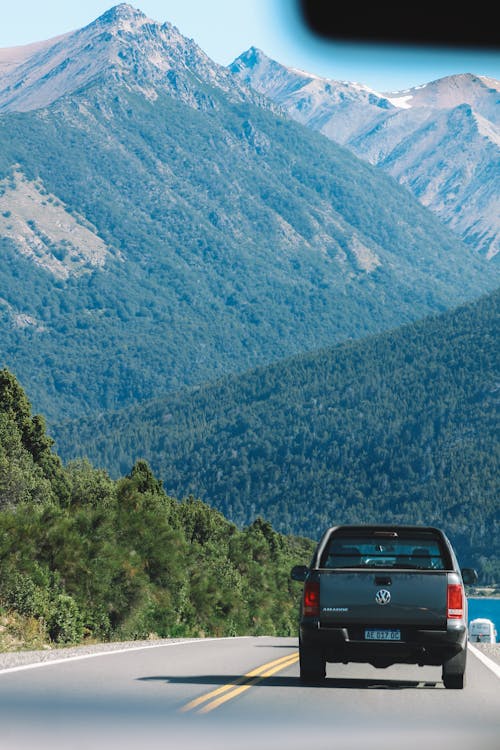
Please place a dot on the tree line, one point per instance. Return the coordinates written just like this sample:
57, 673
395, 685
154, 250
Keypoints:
83, 556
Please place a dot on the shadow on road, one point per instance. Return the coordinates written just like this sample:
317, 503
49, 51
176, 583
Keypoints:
291, 682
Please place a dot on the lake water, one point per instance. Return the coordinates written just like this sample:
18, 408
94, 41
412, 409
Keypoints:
485, 607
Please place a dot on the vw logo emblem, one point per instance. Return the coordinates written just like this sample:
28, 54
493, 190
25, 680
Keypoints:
383, 596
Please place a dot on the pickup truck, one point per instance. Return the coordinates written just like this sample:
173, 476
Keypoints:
383, 594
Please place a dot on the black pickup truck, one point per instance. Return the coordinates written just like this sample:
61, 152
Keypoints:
384, 595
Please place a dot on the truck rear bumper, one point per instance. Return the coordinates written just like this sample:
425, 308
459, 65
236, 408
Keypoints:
417, 646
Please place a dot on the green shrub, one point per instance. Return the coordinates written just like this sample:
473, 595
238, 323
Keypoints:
65, 623
20, 593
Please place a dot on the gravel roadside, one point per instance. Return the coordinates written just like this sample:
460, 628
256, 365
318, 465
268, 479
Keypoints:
491, 650
12, 659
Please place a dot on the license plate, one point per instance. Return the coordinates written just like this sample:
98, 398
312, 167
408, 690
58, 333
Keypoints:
382, 635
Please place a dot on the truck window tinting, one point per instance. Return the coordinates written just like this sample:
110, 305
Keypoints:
371, 552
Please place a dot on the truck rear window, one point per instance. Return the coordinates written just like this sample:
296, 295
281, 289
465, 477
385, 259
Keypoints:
415, 553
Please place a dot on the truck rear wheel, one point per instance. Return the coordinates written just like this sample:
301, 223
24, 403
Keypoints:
312, 664
454, 681
454, 671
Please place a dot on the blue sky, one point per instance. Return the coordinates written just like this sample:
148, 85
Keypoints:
225, 28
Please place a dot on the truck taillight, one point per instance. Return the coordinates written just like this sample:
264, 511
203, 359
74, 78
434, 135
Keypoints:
311, 599
455, 601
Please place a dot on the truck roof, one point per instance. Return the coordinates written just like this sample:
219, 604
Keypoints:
384, 527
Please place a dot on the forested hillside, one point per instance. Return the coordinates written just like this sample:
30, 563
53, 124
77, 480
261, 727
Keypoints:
83, 556
399, 427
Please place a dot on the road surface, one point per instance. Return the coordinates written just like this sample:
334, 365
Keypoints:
241, 693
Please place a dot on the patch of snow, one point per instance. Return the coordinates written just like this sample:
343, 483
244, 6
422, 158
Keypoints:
401, 102
360, 87
492, 83
305, 74
487, 129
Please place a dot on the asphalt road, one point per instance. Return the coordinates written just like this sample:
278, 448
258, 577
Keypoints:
241, 693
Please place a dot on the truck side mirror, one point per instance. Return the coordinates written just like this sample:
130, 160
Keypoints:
469, 575
299, 572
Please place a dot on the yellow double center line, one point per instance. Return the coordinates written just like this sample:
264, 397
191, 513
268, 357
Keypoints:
216, 698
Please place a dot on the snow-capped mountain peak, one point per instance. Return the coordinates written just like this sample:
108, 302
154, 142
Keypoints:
270, 77
440, 139
310, 99
480, 92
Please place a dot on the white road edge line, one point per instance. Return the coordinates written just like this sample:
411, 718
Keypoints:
493, 666
49, 662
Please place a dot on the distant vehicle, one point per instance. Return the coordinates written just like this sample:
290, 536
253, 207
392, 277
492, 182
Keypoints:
384, 595
482, 630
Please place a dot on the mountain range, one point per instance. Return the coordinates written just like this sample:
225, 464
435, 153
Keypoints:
441, 140
163, 224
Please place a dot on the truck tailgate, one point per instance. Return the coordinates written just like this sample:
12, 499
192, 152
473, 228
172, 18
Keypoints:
417, 598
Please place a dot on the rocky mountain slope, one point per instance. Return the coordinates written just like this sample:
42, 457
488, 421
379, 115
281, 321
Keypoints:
162, 224
441, 140
123, 45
